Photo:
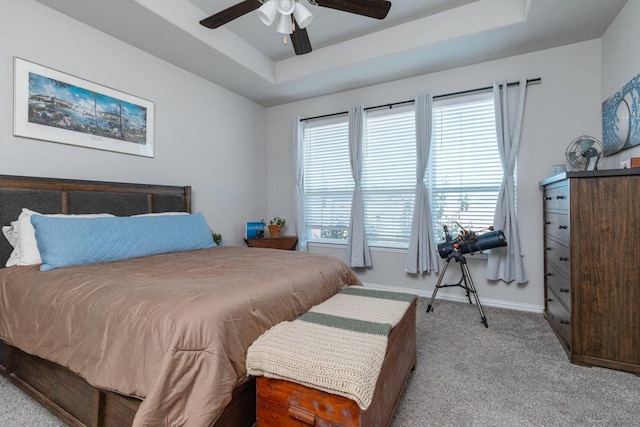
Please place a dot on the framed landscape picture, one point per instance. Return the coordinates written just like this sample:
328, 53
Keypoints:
53, 106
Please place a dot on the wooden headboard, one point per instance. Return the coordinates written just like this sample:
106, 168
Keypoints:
49, 195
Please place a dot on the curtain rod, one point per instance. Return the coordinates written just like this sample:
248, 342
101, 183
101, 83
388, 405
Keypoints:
410, 101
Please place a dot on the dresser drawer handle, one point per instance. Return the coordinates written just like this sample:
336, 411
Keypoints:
548, 198
562, 227
549, 274
559, 197
564, 322
564, 258
547, 248
564, 290
547, 223
549, 299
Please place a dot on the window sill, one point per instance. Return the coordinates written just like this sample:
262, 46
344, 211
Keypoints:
386, 249
373, 248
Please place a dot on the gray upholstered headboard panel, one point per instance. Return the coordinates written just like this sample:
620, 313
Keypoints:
48, 195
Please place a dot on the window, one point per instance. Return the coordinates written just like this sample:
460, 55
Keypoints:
389, 176
465, 172
463, 177
328, 184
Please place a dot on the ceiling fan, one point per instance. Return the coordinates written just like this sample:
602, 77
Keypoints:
293, 17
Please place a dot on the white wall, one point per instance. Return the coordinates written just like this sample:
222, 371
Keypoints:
620, 63
564, 106
206, 136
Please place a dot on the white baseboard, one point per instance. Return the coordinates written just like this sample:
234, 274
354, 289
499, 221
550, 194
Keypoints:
460, 298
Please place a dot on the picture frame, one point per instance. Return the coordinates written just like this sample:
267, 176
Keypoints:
621, 118
254, 230
50, 105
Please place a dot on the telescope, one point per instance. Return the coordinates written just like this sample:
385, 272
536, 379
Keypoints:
469, 242
466, 242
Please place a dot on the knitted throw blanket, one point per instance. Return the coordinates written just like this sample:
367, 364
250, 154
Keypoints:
337, 347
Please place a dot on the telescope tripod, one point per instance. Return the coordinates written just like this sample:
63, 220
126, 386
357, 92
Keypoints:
465, 282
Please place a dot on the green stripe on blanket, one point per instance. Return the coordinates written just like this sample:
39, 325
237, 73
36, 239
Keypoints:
372, 293
354, 325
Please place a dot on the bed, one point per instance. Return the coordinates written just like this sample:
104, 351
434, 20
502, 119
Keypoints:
121, 352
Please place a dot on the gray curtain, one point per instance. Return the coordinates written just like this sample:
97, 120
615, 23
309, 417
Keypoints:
298, 199
358, 253
505, 263
422, 255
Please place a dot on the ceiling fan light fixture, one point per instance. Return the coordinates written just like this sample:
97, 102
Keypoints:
302, 15
284, 25
268, 12
293, 17
286, 7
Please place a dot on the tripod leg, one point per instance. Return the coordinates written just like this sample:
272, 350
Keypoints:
472, 289
435, 290
463, 264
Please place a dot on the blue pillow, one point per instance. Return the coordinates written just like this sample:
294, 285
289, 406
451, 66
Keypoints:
65, 241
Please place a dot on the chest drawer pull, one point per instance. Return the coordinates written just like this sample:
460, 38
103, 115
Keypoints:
548, 198
564, 322
564, 258
560, 197
549, 274
564, 290
547, 248
302, 415
562, 227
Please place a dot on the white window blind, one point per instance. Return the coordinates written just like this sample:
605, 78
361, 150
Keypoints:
389, 175
328, 184
465, 171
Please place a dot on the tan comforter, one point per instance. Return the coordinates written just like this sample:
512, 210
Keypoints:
172, 329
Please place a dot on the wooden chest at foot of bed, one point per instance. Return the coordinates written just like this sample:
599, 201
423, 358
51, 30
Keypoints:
283, 403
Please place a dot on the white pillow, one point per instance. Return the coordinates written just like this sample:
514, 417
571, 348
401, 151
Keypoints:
11, 233
26, 246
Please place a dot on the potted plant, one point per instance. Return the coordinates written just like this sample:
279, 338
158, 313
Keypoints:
217, 238
276, 225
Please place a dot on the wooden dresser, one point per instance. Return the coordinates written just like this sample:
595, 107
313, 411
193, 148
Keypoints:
592, 265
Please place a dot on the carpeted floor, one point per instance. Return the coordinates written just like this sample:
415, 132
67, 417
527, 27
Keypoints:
19, 410
515, 373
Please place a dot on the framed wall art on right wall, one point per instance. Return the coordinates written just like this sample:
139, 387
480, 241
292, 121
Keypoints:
621, 118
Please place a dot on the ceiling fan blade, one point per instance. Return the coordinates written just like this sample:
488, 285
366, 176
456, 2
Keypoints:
371, 8
231, 13
300, 40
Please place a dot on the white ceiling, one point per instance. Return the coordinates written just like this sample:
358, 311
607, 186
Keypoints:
349, 51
